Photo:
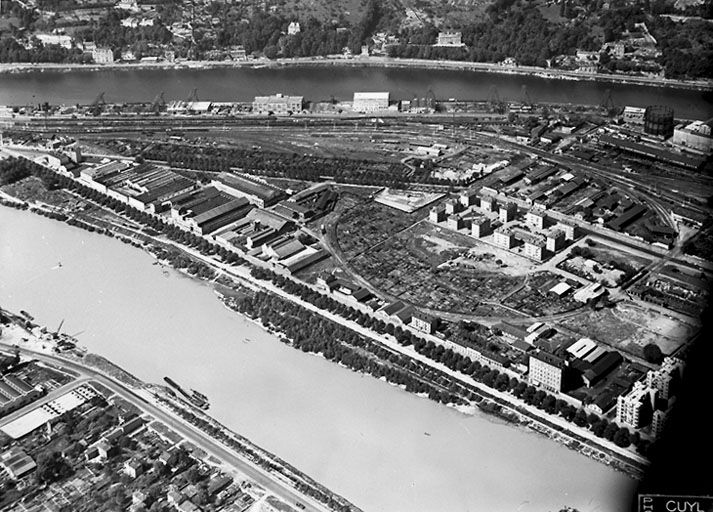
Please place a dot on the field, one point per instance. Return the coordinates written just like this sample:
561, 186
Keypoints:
629, 328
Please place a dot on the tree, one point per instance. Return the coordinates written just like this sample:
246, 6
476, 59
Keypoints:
653, 354
52, 467
622, 437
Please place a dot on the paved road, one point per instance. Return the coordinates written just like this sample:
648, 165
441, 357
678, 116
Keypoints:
187, 431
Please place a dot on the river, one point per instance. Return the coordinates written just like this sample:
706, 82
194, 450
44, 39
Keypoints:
360, 436
315, 83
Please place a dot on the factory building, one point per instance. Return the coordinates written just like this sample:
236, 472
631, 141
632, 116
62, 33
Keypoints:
278, 105
695, 135
370, 101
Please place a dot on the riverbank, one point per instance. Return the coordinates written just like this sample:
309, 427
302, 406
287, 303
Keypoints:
487, 399
379, 62
335, 424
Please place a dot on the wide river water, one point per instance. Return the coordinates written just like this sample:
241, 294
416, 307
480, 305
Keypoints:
360, 436
315, 83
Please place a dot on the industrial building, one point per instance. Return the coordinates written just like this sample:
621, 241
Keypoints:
208, 210
546, 371
696, 136
370, 101
278, 105
658, 120
634, 115
259, 193
15, 393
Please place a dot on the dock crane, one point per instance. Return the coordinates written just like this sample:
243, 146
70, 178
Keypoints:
193, 96
158, 104
496, 103
97, 105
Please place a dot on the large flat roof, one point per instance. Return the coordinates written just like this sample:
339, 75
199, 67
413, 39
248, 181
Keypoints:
47, 412
371, 96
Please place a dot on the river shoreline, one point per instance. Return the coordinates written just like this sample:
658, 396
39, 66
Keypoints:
379, 62
490, 406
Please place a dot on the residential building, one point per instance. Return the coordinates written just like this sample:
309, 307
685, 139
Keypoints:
468, 198
437, 214
293, 28
424, 323
658, 421
488, 203
666, 378
133, 468
504, 238
370, 101
480, 227
695, 135
449, 39
535, 249
546, 371
62, 40
555, 240
536, 218
103, 55
456, 222
634, 409
569, 229
452, 206
278, 105
507, 212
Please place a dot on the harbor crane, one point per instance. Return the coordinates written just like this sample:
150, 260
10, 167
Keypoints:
193, 96
97, 106
159, 103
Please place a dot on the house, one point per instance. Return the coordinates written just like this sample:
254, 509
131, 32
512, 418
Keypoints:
105, 449
293, 28
133, 468
449, 39
103, 55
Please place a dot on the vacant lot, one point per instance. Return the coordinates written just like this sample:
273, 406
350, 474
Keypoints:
630, 327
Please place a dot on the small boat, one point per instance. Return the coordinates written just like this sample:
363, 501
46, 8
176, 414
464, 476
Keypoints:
427, 434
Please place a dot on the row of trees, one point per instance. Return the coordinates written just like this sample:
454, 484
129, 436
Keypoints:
293, 166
